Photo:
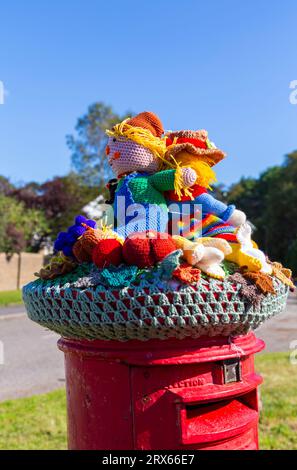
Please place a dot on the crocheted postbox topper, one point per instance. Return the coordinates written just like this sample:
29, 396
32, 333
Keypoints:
151, 276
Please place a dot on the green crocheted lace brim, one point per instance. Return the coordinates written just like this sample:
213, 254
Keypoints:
147, 310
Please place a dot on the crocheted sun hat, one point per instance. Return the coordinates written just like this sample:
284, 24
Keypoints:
194, 142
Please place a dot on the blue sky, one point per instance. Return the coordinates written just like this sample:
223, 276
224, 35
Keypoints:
221, 65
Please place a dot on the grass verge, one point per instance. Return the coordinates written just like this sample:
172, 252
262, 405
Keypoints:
38, 422
278, 421
10, 297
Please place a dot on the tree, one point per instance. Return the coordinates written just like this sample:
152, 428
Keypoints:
291, 259
59, 199
5, 186
270, 203
87, 147
19, 225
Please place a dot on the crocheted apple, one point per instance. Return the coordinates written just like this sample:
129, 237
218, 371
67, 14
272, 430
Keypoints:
107, 252
147, 248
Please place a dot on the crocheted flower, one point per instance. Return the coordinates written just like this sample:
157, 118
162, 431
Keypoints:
186, 273
66, 240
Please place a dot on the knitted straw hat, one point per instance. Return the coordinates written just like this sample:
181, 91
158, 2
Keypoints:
194, 142
149, 121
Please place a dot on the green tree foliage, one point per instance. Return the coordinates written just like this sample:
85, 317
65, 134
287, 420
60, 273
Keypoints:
270, 203
291, 259
20, 227
59, 199
88, 145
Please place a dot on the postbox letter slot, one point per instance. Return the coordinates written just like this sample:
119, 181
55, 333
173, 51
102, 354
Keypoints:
217, 420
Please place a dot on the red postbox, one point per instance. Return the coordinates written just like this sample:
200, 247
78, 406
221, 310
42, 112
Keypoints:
172, 394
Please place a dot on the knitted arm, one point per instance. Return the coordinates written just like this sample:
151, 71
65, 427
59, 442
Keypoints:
212, 205
170, 179
163, 180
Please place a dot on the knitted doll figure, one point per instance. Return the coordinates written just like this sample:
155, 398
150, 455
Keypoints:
135, 152
193, 149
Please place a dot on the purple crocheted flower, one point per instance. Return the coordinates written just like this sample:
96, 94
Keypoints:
65, 240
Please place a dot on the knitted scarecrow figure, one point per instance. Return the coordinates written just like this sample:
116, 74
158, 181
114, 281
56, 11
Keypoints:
193, 149
209, 217
136, 152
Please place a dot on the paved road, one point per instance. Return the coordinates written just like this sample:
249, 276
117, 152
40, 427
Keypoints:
33, 364
279, 332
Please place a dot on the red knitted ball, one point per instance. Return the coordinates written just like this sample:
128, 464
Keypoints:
162, 247
107, 252
147, 248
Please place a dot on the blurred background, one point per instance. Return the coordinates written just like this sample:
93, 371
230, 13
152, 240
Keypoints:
69, 70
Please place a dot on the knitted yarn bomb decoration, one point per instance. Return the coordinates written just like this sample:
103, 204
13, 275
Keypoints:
85, 245
66, 240
107, 252
195, 143
134, 144
147, 248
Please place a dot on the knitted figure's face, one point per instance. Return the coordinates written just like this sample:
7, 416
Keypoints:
126, 156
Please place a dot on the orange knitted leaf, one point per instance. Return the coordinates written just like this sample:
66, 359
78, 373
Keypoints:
263, 281
283, 274
186, 273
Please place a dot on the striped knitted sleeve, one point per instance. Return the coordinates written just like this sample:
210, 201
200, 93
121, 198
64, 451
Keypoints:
163, 180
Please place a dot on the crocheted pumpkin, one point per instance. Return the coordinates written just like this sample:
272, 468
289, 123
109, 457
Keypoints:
107, 252
147, 248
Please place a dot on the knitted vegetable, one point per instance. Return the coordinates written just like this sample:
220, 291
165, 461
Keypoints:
205, 254
147, 248
246, 253
107, 252
84, 246
66, 240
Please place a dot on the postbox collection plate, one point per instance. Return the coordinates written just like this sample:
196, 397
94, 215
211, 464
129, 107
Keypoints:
232, 370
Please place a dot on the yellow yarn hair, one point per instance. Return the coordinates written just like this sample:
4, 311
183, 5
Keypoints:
205, 174
155, 144
141, 136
